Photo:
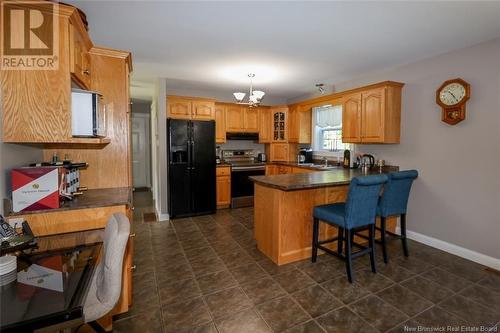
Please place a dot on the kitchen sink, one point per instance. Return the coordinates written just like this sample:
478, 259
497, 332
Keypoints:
323, 167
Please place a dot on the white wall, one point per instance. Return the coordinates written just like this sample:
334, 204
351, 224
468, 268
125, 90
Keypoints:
457, 196
161, 199
220, 96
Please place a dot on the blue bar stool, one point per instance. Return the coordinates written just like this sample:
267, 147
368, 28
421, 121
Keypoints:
394, 202
357, 213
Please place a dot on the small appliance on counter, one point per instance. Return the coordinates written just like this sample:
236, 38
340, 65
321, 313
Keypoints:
367, 164
261, 157
307, 154
350, 160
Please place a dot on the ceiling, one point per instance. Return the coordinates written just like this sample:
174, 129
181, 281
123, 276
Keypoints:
290, 46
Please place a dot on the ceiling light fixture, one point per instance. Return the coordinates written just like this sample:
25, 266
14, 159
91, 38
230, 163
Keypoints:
321, 88
254, 97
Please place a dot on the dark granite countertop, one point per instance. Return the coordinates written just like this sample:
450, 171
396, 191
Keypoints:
301, 181
223, 164
92, 198
299, 165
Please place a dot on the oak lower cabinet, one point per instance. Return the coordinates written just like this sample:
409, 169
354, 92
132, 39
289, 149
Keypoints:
373, 115
271, 169
220, 124
192, 108
223, 185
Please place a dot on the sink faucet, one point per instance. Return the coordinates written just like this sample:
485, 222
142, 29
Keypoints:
325, 160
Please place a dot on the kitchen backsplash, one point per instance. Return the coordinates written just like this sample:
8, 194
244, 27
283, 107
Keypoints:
243, 144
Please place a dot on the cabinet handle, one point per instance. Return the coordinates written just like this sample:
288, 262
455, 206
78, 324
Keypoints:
132, 208
86, 72
132, 235
133, 268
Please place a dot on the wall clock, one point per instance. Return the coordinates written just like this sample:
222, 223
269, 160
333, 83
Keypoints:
452, 97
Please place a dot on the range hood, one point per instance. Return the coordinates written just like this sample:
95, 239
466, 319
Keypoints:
243, 136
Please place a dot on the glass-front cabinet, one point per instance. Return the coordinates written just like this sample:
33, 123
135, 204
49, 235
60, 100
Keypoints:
279, 125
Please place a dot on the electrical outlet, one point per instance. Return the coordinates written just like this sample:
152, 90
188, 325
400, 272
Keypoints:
16, 222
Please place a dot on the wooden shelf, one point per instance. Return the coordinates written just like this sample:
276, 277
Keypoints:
73, 143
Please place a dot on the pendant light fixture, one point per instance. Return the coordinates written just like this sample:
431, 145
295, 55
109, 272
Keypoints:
254, 97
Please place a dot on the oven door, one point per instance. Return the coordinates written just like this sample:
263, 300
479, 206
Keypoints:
241, 185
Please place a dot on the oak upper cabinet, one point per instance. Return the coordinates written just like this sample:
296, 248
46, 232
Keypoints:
265, 125
223, 185
279, 123
241, 118
351, 118
191, 108
220, 124
373, 115
299, 124
293, 126
235, 118
36, 104
203, 109
178, 108
79, 57
250, 119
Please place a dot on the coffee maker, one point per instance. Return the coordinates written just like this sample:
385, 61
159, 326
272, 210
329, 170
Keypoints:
308, 155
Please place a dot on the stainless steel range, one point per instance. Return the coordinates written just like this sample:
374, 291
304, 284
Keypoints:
243, 165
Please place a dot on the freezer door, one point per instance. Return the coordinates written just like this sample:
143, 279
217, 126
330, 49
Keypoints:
203, 167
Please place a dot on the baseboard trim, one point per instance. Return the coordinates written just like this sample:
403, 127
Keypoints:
462, 252
162, 217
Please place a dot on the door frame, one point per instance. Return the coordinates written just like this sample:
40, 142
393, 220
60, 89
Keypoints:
147, 117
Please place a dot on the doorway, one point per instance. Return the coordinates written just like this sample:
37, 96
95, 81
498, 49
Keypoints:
141, 145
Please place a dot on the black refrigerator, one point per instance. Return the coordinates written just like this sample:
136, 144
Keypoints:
191, 167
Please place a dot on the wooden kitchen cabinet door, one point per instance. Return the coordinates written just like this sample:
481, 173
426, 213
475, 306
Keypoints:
279, 152
220, 124
293, 124
223, 191
179, 108
372, 115
351, 119
79, 57
251, 119
265, 123
203, 110
234, 118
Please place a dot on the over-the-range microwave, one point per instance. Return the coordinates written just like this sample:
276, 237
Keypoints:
88, 114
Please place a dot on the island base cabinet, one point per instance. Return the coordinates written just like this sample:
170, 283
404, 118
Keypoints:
283, 221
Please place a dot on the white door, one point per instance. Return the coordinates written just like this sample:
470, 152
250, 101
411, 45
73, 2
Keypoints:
140, 150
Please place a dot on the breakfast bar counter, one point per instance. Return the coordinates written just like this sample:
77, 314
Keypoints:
283, 206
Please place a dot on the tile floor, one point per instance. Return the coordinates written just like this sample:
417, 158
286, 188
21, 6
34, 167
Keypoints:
205, 274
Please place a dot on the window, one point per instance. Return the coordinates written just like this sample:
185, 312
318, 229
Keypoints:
328, 129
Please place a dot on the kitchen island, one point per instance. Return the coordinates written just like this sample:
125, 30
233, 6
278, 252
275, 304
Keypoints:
283, 206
